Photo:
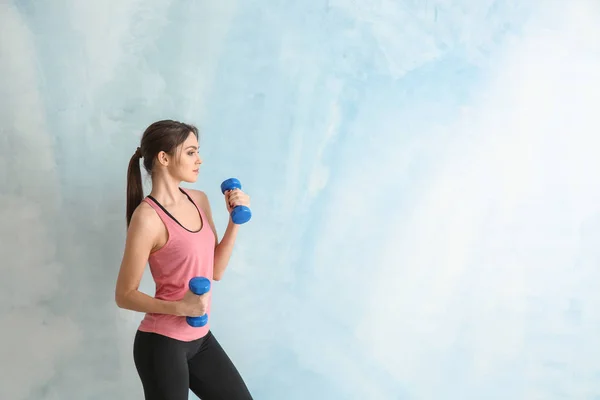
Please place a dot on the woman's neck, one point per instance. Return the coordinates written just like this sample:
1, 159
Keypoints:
166, 191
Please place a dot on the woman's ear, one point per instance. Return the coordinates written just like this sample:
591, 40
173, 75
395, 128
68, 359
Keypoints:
163, 158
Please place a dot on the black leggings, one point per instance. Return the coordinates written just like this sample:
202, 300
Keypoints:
168, 368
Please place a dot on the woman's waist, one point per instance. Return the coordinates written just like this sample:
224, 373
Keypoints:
176, 276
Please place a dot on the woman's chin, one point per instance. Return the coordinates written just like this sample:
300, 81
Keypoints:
190, 178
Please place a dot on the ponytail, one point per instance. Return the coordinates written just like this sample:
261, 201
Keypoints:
134, 184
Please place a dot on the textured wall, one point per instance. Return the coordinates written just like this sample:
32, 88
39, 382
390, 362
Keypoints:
424, 182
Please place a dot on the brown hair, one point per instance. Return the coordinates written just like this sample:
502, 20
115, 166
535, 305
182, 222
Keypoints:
165, 135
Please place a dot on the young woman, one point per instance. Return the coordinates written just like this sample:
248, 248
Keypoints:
172, 230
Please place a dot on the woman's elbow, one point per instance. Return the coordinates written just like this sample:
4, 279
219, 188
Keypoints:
121, 299
118, 300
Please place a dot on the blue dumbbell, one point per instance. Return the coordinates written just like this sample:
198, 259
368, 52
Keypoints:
198, 285
239, 214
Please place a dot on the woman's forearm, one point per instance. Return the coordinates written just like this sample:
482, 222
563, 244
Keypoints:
224, 249
141, 302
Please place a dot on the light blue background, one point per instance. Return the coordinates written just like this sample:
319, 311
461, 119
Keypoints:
423, 176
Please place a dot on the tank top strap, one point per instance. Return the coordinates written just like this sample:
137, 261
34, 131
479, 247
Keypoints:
162, 214
187, 193
198, 207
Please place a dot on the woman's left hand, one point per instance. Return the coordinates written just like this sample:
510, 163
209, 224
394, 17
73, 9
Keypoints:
236, 197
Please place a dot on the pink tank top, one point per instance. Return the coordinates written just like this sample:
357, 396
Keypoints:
186, 254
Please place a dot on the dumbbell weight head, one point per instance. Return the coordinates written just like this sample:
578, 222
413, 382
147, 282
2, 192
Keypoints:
197, 322
199, 285
230, 184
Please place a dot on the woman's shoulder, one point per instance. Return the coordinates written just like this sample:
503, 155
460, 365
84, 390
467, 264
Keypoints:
145, 218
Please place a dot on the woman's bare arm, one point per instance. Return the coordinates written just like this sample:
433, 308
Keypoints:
141, 239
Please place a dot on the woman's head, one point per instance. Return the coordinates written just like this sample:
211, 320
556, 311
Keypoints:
169, 149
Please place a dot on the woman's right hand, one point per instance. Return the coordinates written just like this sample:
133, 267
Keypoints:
193, 305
